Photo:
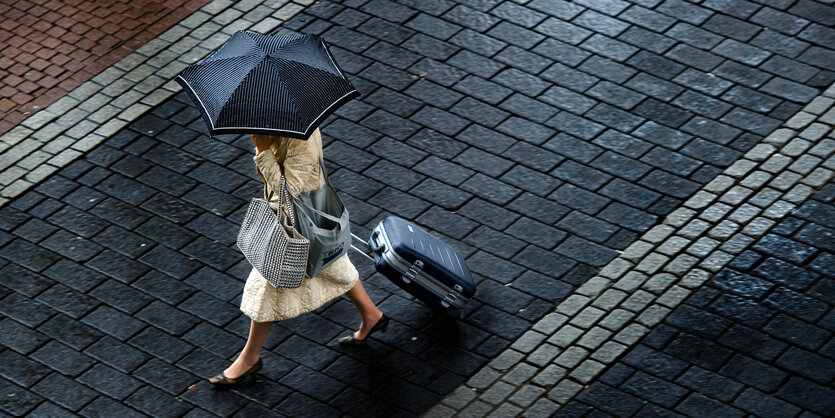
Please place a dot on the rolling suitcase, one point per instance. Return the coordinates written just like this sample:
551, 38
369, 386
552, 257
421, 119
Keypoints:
419, 263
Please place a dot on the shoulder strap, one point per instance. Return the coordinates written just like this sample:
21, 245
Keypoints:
322, 162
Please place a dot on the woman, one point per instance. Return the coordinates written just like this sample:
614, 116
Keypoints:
298, 161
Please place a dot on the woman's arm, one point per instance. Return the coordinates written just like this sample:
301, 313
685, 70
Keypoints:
300, 165
262, 142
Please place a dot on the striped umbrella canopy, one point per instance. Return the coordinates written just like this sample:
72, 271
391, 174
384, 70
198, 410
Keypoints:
282, 85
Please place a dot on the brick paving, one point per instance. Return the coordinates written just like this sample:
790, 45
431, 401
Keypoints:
54, 137
49, 48
540, 138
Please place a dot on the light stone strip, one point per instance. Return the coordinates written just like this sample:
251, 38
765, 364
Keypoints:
564, 351
54, 137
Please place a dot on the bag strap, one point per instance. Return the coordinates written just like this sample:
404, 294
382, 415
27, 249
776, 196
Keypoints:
286, 200
327, 184
283, 198
322, 164
324, 215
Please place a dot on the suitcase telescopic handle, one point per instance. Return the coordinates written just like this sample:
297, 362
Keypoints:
364, 244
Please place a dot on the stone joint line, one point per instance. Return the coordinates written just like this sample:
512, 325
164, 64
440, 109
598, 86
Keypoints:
59, 134
609, 314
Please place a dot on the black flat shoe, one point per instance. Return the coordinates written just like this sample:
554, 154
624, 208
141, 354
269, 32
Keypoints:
223, 380
381, 326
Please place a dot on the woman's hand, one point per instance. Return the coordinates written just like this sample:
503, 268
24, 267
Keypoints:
262, 142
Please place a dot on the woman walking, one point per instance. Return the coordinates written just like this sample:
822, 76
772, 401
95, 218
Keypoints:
298, 161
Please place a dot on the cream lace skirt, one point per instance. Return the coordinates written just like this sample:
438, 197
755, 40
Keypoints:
264, 303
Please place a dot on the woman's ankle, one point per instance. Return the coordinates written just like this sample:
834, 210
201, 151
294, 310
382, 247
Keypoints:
368, 322
249, 358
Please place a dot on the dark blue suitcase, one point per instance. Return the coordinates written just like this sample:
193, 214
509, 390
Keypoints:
420, 263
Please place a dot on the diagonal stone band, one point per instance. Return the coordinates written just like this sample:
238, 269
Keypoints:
602, 319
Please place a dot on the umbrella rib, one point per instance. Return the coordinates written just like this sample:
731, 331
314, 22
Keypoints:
283, 84
196, 96
228, 76
214, 62
333, 61
291, 42
253, 35
237, 82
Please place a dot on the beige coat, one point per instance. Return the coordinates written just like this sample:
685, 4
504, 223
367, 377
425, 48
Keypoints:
299, 161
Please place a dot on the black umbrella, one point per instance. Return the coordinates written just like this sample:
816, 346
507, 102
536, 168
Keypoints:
283, 85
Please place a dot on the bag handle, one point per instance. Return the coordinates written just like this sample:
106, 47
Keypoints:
288, 197
287, 200
282, 198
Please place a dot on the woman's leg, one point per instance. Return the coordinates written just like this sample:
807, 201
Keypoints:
258, 332
369, 312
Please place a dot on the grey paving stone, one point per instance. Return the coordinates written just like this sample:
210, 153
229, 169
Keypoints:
646, 39
702, 82
789, 69
549, 376
522, 59
697, 58
483, 379
564, 391
648, 18
577, 80
526, 396
561, 52
789, 90
684, 11
740, 52
564, 31
563, 10
609, 47
518, 14
516, 35
541, 357
567, 100
477, 42
600, 23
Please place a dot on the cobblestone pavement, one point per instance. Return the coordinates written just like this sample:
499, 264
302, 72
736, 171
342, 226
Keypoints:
608, 315
755, 339
49, 47
540, 138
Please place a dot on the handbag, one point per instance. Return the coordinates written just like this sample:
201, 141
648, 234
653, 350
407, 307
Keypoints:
271, 243
322, 218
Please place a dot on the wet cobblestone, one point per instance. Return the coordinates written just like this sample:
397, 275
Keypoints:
638, 105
